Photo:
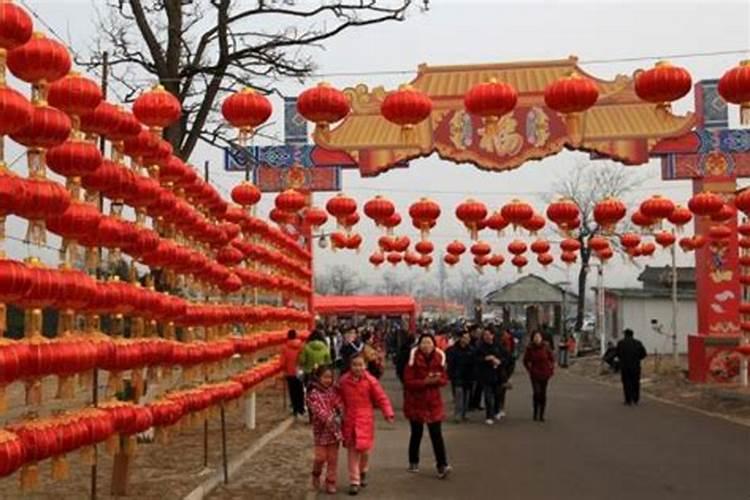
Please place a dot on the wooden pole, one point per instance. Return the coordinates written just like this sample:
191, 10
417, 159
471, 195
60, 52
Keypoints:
224, 445
205, 442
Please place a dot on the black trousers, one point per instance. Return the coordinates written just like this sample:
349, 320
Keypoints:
296, 395
436, 437
475, 402
539, 396
631, 385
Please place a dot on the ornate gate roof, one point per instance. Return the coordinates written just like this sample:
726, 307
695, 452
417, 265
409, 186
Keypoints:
620, 126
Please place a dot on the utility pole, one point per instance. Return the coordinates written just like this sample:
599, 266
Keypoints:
600, 317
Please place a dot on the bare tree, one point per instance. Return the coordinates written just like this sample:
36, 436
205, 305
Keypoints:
201, 49
396, 283
587, 185
468, 287
339, 280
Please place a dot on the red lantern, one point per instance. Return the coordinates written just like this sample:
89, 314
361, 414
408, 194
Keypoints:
563, 211
742, 201
281, 217
47, 128
545, 259
496, 261
424, 214
517, 212
291, 201
15, 109
411, 258
705, 203
680, 216
481, 260
647, 248
15, 27
726, 213
569, 257
455, 248
246, 194
480, 249
491, 100
571, 96
75, 94
341, 206
657, 208
640, 220
540, 246
323, 105
630, 240
665, 238
496, 222
471, 213
315, 217
719, 233
605, 254
734, 87
339, 241
608, 212
350, 221
386, 243
394, 258
699, 241
424, 247
406, 107
377, 259
74, 158
662, 84
534, 224
425, 261
40, 60
378, 209
570, 245
519, 261
598, 243
157, 108
517, 247
686, 244
451, 259
744, 228
246, 110
354, 241
401, 243
392, 222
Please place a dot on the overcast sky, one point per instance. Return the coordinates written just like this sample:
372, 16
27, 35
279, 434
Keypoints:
461, 32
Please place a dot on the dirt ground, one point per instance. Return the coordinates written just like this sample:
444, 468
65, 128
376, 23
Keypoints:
662, 379
283, 473
159, 471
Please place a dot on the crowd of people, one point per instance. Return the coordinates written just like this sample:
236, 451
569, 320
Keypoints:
477, 361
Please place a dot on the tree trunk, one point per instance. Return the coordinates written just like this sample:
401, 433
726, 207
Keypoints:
582, 278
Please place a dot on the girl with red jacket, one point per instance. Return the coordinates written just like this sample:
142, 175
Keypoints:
289, 359
424, 375
326, 408
360, 392
540, 363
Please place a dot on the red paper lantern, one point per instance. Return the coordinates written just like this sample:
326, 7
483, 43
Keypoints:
406, 107
699, 241
563, 211
719, 232
39, 60
103, 120
540, 246
744, 228
608, 212
386, 243
535, 224
354, 241
665, 238
15, 109
15, 27
323, 105
75, 94
680, 216
246, 110
377, 259
657, 208
46, 128
456, 248
339, 240
519, 261
480, 249
15, 281
734, 87
471, 213
686, 244
378, 209
291, 201
341, 206
726, 213
742, 201
481, 260
662, 84
157, 108
392, 222
517, 247
411, 258
451, 259
401, 244
640, 220
647, 248
598, 243
569, 257
570, 245
424, 247
246, 194
491, 100
630, 240
74, 158
705, 203
545, 259
394, 258
43, 199
496, 222
315, 217
496, 260
425, 261
571, 94
517, 212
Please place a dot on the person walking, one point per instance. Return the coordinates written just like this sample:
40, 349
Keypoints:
630, 353
425, 374
504, 371
289, 361
351, 346
488, 360
475, 399
460, 363
314, 355
540, 363
402, 357
360, 391
326, 409
562, 351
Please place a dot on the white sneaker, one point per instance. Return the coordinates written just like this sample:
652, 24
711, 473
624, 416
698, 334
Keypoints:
502, 414
489, 421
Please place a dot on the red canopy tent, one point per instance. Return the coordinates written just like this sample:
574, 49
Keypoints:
328, 305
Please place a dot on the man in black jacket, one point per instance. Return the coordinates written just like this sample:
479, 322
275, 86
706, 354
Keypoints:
488, 358
402, 357
460, 359
630, 353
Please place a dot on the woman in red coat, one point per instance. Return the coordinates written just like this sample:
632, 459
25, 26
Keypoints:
423, 377
540, 363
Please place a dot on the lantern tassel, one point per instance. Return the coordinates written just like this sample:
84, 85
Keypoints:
114, 382
65, 387
745, 113
574, 124
131, 446
34, 392
112, 445
60, 468
3, 400
29, 477
88, 455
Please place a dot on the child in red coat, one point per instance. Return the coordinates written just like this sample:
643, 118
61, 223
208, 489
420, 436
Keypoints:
326, 408
361, 392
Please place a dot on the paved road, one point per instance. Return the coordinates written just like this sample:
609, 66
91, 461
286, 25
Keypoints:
591, 448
